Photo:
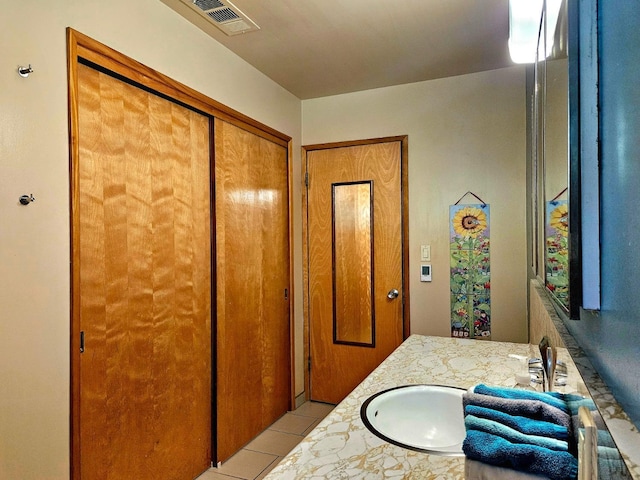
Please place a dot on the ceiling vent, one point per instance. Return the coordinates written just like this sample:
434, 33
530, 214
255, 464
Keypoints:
224, 15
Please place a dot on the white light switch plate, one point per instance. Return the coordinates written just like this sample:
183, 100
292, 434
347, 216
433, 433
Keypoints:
425, 253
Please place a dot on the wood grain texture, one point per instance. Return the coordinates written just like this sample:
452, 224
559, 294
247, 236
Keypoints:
79, 47
114, 61
253, 315
406, 270
144, 284
353, 263
74, 187
337, 369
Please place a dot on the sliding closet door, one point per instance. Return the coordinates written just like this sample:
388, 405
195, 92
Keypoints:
142, 239
253, 286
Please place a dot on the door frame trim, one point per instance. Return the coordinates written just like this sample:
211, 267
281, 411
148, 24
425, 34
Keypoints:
404, 186
80, 46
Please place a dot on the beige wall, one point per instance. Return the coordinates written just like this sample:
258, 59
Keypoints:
465, 133
34, 240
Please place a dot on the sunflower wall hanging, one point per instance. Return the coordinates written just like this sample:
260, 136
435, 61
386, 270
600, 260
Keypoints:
557, 245
470, 271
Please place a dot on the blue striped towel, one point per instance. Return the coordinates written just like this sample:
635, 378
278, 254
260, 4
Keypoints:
514, 436
523, 424
519, 394
495, 450
533, 409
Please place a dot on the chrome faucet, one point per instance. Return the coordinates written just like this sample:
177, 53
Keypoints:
550, 369
548, 364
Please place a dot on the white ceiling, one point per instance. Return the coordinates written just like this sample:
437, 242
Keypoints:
315, 48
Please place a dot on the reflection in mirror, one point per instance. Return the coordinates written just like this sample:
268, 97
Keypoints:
353, 264
538, 155
556, 169
551, 122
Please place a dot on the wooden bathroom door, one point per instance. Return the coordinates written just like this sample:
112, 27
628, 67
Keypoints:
355, 263
141, 284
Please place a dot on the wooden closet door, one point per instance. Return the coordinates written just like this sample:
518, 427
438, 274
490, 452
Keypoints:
144, 287
252, 270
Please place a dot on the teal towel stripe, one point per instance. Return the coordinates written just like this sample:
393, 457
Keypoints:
519, 394
495, 450
533, 409
523, 424
512, 435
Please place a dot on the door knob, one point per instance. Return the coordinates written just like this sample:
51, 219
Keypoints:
393, 293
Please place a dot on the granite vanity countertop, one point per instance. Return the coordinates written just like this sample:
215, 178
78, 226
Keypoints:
341, 447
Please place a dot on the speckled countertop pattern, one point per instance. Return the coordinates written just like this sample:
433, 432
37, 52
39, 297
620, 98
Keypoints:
341, 447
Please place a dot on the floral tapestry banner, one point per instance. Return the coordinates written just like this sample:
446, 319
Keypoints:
557, 260
470, 271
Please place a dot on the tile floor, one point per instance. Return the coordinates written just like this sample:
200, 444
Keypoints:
264, 452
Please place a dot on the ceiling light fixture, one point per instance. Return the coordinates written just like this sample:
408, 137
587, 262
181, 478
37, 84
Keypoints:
524, 25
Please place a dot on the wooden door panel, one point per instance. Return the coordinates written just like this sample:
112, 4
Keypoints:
352, 256
337, 367
252, 257
145, 283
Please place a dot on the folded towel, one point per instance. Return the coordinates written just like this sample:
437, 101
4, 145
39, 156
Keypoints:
520, 394
608, 453
512, 435
611, 464
474, 470
604, 439
577, 423
495, 450
567, 397
533, 409
575, 404
523, 424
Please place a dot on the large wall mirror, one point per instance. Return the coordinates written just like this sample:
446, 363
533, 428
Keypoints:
558, 259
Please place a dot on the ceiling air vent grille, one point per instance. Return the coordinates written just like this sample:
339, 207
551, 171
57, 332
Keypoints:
224, 15
205, 5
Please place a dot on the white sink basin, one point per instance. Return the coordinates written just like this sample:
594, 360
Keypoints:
426, 418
